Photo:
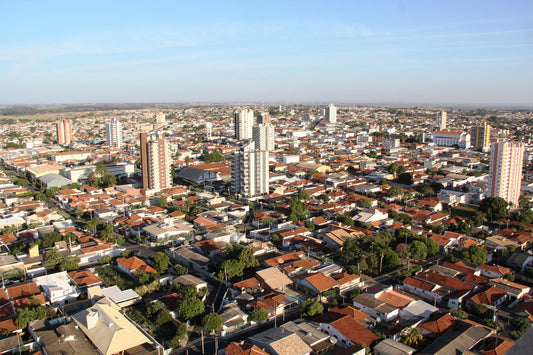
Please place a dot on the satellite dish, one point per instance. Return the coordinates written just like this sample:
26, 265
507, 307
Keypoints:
378, 319
333, 340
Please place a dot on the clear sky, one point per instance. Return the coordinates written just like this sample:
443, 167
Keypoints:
436, 52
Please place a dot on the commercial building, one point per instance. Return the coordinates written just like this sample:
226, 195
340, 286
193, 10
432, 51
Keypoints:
441, 120
505, 173
155, 161
243, 122
249, 171
113, 133
451, 138
331, 114
64, 131
263, 135
481, 136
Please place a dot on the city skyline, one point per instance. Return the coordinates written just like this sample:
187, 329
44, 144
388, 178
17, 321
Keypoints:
458, 53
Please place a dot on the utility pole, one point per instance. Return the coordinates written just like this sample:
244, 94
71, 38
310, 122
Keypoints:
202, 335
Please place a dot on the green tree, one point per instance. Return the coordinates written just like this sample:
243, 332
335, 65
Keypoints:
520, 326
180, 270
432, 247
351, 250
230, 269
493, 324
475, 254
162, 202
372, 154
70, 264
39, 196
181, 331
395, 191
213, 157
346, 220
494, 208
418, 250
458, 313
364, 203
526, 216
311, 307
259, 315
303, 195
412, 337
390, 260
309, 225
191, 308
393, 168
160, 262
297, 210
52, 259
405, 179
211, 322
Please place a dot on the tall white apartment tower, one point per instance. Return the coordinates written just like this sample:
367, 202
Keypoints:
155, 161
113, 133
64, 131
441, 120
243, 122
264, 135
505, 172
331, 114
249, 171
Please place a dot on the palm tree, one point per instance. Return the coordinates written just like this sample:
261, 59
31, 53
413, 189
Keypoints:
412, 337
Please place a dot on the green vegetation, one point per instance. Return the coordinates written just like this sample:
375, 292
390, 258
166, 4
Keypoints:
211, 322
475, 254
311, 307
213, 157
160, 262
191, 308
458, 313
520, 326
297, 210
112, 276
494, 208
259, 315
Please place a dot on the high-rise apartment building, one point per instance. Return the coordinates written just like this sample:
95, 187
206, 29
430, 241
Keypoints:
249, 171
243, 122
505, 172
263, 136
155, 161
113, 133
441, 120
480, 136
161, 118
263, 117
331, 114
64, 131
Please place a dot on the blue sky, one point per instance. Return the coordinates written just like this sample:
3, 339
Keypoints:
425, 52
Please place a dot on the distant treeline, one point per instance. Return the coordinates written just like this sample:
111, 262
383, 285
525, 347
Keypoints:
43, 109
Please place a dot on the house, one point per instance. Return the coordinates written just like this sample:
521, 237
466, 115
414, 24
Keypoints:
110, 331
190, 280
163, 230
190, 257
233, 318
459, 338
58, 288
514, 290
417, 311
520, 260
491, 296
133, 266
392, 347
60, 338
436, 325
273, 279
344, 324
375, 307
243, 348
336, 238
310, 334
318, 283
278, 341
84, 279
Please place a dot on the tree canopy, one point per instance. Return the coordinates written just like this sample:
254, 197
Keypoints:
494, 208
190, 308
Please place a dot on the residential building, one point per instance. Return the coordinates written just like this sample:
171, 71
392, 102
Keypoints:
110, 331
331, 114
64, 131
480, 136
243, 123
505, 172
451, 138
263, 118
441, 120
278, 341
155, 161
250, 171
113, 133
263, 135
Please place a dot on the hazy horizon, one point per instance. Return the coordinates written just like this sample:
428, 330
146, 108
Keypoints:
453, 54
